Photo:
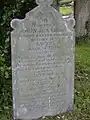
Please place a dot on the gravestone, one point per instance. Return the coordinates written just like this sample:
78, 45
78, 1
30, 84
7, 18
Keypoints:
42, 63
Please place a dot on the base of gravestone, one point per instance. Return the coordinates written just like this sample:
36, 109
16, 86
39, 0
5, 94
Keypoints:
33, 119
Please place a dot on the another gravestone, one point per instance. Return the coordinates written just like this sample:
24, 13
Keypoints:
42, 63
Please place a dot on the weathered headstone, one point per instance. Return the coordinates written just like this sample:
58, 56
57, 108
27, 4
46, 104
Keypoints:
42, 63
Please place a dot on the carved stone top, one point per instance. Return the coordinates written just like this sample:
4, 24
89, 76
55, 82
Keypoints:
44, 2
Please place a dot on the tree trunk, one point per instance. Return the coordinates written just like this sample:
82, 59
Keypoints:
82, 12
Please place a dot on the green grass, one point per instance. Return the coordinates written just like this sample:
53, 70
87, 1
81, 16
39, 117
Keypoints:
66, 1
66, 10
82, 83
82, 89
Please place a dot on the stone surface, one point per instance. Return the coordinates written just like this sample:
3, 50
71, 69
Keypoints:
42, 63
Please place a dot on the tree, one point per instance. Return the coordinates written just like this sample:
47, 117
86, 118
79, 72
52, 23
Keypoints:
82, 12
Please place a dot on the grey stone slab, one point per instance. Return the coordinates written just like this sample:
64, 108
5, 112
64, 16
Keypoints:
42, 47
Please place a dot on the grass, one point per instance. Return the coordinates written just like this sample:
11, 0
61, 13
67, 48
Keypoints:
82, 83
66, 1
66, 10
82, 89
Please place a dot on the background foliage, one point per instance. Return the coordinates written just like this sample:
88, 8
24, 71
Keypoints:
8, 10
